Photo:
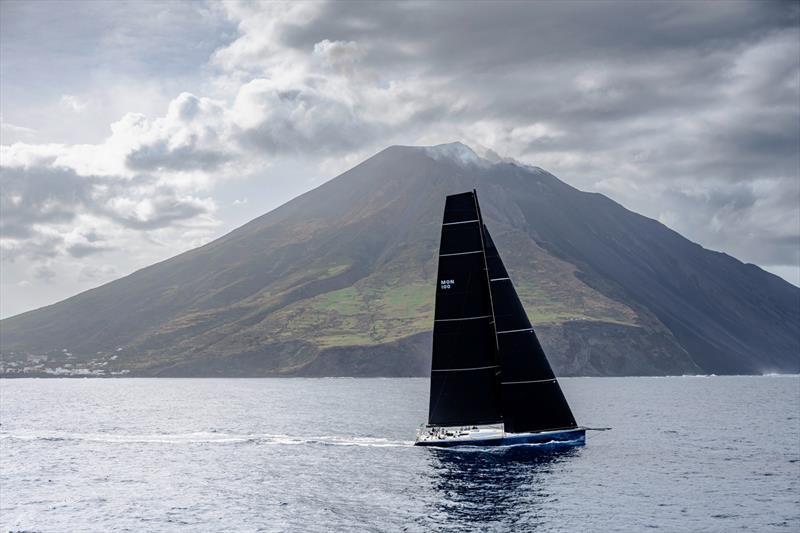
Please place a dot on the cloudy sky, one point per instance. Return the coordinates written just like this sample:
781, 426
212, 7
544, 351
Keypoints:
134, 131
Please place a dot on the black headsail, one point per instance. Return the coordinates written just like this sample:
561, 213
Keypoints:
531, 399
464, 385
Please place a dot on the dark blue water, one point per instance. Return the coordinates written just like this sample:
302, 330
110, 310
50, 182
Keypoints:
685, 454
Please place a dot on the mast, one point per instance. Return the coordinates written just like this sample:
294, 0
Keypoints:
486, 265
531, 398
464, 365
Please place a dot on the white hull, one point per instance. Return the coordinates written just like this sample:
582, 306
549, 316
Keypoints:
495, 436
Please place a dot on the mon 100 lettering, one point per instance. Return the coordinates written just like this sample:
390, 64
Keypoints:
446, 283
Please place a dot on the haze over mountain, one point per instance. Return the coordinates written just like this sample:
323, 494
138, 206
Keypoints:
340, 281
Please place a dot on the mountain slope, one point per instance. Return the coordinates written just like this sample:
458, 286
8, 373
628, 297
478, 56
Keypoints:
340, 281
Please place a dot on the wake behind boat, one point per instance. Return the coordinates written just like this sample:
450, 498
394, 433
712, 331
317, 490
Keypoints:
491, 383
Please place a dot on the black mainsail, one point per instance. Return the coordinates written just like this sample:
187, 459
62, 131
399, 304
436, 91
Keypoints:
464, 385
488, 365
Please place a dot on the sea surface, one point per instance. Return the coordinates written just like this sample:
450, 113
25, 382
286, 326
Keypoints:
684, 454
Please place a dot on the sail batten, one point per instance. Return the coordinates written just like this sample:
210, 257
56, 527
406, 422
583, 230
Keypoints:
514, 330
463, 369
461, 222
463, 318
523, 382
462, 253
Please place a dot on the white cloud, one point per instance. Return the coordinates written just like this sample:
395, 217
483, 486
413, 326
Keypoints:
51, 210
73, 103
340, 55
258, 48
12, 130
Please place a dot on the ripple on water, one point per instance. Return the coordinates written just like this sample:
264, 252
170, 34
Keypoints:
322, 455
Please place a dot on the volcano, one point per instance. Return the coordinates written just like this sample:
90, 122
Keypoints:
340, 282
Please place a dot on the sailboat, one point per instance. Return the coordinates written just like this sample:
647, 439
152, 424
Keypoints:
491, 383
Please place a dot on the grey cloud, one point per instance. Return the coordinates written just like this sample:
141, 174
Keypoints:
329, 125
783, 250
39, 196
92, 243
92, 236
495, 35
168, 210
712, 201
520, 59
758, 222
82, 250
658, 94
44, 273
159, 156
35, 246
341, 55
55, 47
93, 273
36, 198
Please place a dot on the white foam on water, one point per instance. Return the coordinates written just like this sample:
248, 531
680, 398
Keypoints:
204, 437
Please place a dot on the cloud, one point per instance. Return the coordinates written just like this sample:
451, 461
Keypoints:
159, 155
44, 273
154, 207
13, 130
50, 211
645, 107
73, 103
81, 250
84, 241
340, 55
97, 272
39, 196
293, 116
685, 112
194, 135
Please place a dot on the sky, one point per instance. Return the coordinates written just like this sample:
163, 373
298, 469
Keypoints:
133, 131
